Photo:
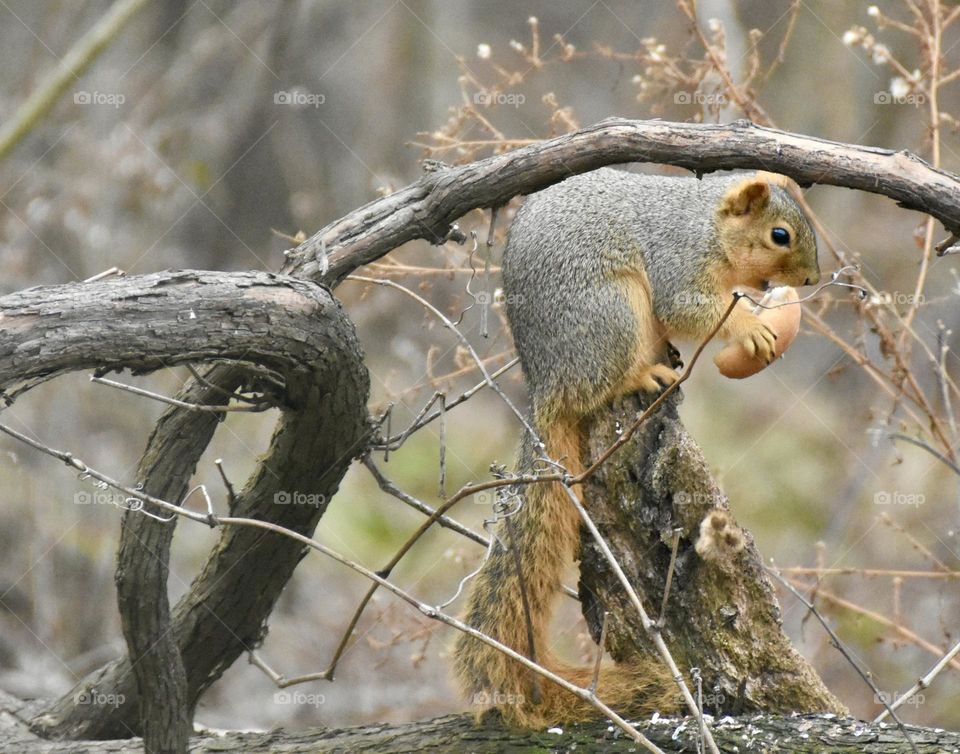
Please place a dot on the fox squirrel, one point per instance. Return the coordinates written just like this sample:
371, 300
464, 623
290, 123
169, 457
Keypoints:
599, 271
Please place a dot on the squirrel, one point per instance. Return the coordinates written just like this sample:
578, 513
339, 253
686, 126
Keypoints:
599, 272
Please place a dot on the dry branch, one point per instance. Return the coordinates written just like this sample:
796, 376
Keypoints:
287, 336
455, 734
428, 208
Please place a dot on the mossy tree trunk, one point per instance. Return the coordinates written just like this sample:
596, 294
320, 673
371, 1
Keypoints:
722, 615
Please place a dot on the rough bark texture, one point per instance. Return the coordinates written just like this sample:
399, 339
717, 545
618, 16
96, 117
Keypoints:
722, 616
428, 208
771, 734
297, 336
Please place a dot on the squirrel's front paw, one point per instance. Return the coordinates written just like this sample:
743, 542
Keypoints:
760, 343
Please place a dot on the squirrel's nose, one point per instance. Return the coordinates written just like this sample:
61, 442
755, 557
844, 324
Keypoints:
813, 279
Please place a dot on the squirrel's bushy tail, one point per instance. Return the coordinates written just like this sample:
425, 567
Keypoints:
545, 534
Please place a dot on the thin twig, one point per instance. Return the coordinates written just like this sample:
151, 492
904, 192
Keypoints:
841, 647
649, 626
386, 485
674, 544
932, 451
459, 335
443, 444
600, 647
870, 572
69, 69
922, 683
427, 610
698, 683
213, 409
917, 544
420, 421
231, 493
943, 378
110, 272
626, 436
883, 620
216, 388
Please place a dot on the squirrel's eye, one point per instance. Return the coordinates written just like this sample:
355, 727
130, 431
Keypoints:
780, 236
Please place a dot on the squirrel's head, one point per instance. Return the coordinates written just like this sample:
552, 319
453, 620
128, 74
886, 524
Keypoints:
765, 235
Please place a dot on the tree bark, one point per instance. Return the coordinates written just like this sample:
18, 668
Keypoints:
771, 734
722, 615
287, 336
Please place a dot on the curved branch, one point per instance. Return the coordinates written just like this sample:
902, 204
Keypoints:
148, 322
428, 208
290, 334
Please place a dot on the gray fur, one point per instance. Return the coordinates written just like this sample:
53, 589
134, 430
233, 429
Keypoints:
573, 327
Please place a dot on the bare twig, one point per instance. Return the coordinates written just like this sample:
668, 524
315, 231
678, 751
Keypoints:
674, 544
600, 649
922, 683
870, 572
932, 451
841, 647
84, 51
217, 389
257, 408
379, 581
626, 436
460, 336
110, 272
421, 421
392, 489
231, 493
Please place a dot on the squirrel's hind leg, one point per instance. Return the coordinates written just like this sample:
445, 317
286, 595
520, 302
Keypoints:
650, 379
650, 370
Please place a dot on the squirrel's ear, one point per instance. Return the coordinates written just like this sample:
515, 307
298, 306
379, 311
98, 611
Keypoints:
746, 197
783, 181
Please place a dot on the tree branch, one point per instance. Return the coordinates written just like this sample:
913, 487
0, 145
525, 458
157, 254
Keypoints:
428, 208
454, 734
289, 335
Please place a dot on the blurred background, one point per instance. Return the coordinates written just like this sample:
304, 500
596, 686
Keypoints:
210, 132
